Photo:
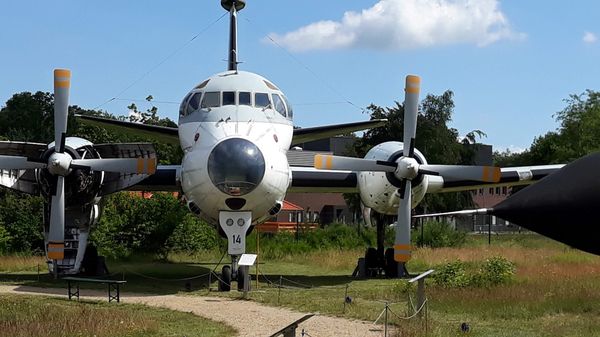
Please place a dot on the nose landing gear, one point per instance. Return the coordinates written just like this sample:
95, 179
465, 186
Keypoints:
235, 225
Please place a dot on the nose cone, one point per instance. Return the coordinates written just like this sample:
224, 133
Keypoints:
236, 166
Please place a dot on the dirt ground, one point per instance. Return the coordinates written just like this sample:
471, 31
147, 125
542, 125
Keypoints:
247, 317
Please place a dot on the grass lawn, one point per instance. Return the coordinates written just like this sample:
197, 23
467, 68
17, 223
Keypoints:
555, 291
42, 316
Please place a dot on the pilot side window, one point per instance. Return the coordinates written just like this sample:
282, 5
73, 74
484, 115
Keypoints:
290, 111
228, 98
183, 105
193, 103
244, 98
279, 106
261, 100
211, 100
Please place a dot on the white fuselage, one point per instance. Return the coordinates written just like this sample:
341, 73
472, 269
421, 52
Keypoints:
235, 129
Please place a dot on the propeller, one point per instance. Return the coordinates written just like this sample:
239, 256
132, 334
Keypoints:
60, 164
407, 168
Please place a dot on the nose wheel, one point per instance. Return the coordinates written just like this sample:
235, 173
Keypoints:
225, 279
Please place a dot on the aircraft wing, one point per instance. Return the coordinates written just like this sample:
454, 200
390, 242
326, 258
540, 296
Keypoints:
308, 179
167, 178
163, 134
510, 176
304, 135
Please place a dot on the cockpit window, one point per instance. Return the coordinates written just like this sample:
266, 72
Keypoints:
228, 98
244, 98
183, 105
279, 105
211, 100
261, 100
290, 111
193, 103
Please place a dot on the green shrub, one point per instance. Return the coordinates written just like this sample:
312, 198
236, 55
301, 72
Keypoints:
492, 272
22, 218
438, 234
334, 236
495, 270
4, 239
451, 275
193, 235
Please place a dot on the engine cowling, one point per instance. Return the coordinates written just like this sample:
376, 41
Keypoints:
81, 186
379, 190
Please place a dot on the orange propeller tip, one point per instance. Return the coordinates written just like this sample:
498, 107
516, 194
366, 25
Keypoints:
62, 73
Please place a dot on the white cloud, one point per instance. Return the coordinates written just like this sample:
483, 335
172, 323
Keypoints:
589, 38
406, 24
511, 148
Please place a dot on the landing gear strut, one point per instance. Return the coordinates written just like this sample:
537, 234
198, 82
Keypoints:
379, 261
235, 225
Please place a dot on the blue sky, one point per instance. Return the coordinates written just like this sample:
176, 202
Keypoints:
510, 63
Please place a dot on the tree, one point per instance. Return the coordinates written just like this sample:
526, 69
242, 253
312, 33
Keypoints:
578, 134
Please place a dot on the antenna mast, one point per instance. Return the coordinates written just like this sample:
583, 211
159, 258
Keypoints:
233, 6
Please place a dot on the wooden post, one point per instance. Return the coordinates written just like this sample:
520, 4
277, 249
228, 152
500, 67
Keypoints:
257, 253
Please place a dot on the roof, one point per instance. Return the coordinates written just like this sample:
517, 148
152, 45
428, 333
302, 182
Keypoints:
288, 206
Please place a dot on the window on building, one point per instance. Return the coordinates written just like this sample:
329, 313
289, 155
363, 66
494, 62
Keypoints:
497, 190
505, 190
481, 191
491, 191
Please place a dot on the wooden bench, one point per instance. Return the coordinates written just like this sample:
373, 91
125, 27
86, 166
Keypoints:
113, 286
290, 330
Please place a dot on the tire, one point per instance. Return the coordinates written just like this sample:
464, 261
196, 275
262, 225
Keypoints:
391, 266
371, 262
241, 278
225, 280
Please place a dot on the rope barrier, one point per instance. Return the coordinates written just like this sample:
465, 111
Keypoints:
164, 279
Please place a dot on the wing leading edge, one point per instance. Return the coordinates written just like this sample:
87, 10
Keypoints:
304, 135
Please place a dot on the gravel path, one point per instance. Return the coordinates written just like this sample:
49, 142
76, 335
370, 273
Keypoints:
248, 318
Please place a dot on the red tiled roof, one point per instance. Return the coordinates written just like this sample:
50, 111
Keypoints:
288, 206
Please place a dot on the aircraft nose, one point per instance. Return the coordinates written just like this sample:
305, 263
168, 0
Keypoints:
236, 166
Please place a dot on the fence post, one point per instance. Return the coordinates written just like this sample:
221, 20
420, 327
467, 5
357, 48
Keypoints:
385, 330
345, 298
279, 291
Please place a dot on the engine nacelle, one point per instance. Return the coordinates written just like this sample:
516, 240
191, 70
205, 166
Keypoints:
379, 190
81, 186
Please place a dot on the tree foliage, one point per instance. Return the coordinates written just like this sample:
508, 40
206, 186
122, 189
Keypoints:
30, 117
578, 135
20, 223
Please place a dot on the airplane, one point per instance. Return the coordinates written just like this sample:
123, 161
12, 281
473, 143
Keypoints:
235, 129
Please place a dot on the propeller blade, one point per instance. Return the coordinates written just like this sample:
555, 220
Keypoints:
411, 106
56, 236
486, 174
119, 165
402, 244
19, 163
62, 83
329, 162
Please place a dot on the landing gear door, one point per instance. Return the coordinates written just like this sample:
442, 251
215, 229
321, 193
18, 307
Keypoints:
235, 225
